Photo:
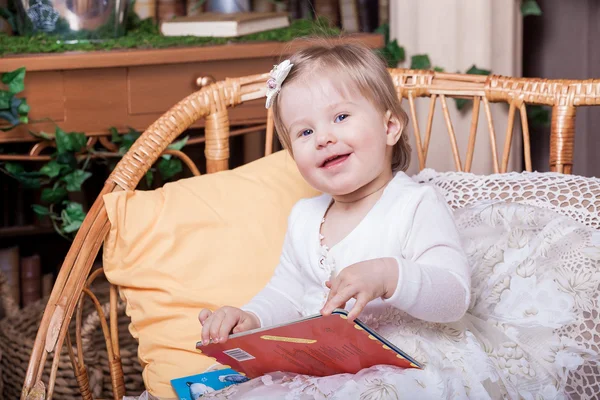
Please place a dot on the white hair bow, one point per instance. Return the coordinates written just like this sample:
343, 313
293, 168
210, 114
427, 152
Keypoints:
278, 75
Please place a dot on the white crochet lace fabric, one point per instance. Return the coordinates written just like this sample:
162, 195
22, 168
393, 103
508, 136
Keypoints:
574, 196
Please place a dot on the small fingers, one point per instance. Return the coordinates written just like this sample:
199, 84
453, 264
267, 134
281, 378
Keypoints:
227, 325
215, 325
361, 302
206, 326
338, 300
333, 286
243, 326
203, 315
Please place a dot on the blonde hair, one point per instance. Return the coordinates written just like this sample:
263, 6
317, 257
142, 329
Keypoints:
366, 70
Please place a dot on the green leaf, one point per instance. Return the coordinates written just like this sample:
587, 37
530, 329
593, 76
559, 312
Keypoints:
530, 7
420, 61
53, 195
75, 179
115, 137
69, 142
72, 217
149, 178
23, 108
438, 69
78, 141
169, 168
384, 30
29, 180
40, 210
62, 141
14, 80
461, 103
68, 160
477, 71
178, 145
5, 98
52, 169
10, 118
14, 168
395, 53
538, 116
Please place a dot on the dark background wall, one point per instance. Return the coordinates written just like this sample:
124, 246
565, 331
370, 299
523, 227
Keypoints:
564, 42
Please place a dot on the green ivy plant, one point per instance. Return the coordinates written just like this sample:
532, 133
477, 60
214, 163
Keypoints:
14, 110
530, 7
64, 173
67, 169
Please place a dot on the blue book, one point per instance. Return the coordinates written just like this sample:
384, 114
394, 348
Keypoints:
194, 386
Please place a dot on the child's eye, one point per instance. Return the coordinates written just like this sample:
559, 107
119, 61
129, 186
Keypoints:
341, 117
306, 132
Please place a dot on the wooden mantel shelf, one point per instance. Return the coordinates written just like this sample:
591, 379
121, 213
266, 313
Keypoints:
178, 55
92, 91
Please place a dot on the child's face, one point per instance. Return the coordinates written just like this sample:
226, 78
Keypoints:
340, 141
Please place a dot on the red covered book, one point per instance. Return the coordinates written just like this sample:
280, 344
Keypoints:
315, 345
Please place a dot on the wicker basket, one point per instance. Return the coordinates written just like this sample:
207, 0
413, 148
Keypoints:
17, 335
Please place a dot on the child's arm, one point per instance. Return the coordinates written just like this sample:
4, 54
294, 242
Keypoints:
432, 280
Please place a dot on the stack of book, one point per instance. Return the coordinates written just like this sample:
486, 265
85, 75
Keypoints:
224, 25
24, 277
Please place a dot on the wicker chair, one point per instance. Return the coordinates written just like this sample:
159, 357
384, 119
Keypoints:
212, 103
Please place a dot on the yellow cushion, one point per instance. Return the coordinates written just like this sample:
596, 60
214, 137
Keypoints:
206, 241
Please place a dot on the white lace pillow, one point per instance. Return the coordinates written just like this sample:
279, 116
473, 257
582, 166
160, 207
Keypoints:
571, 195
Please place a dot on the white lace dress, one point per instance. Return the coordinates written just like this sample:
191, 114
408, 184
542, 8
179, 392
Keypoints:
530, 331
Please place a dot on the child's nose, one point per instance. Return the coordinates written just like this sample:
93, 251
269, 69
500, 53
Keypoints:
325, 137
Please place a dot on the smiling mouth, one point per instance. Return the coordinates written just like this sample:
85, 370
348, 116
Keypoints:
335, 160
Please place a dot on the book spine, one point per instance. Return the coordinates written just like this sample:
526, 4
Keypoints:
167, 9
145, 8
194, 7
306, 9
329, 9
31, 280
47, 284
368, 12
349, 16
4, 25
384, 12
294, 9
263, 6
9, 266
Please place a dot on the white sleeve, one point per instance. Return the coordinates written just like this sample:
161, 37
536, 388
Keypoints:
278, 302
434, 281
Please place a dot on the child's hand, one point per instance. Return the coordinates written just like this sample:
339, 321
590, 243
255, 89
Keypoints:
365, 281
218, 325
